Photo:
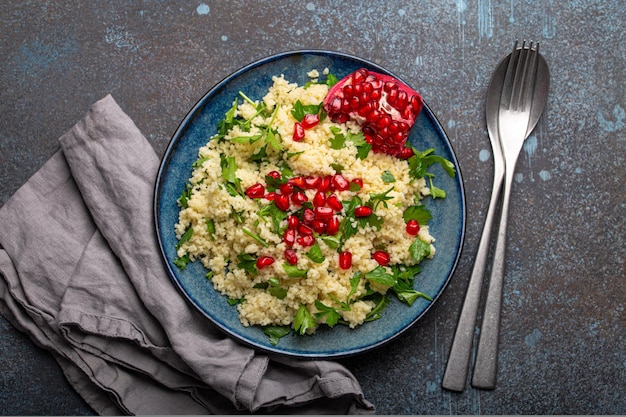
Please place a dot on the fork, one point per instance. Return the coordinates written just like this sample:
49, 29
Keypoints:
514, 115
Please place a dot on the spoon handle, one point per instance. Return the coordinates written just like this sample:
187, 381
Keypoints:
456, 372
485, 367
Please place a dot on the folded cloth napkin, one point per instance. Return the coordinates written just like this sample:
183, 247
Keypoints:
82, 275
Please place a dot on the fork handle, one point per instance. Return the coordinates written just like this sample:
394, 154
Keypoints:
485, 367
457, 368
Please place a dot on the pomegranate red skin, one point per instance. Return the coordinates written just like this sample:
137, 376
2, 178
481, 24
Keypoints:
385, 107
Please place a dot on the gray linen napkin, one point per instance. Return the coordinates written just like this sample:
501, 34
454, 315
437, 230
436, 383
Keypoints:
82, 275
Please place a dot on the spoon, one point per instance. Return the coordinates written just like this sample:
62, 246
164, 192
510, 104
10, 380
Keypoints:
455, 375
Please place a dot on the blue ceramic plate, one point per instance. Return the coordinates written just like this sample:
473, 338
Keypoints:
447, 225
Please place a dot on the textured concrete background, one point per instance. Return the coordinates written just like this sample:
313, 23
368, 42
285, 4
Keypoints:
563, 324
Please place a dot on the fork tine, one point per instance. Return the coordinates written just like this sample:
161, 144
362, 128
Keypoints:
520, 76
532, 77
509, 76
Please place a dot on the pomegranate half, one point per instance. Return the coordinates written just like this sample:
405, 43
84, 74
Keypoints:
385, 108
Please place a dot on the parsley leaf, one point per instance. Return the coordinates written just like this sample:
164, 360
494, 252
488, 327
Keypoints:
419, 213
331, 80
247, 262
303, 320
293, 271
419, 250
229, 170
381, 303
435, 192
378, 198
255, 236
332, 316
183, 200
227, 123
185, 237
300, 110
388, 177
381, 276
315, 254
210, 226
275, 333
182, 261
420, 161
338, 140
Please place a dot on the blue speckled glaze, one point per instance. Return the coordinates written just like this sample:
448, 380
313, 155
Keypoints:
448, 224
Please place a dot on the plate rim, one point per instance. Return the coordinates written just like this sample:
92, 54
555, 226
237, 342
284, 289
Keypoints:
175, 138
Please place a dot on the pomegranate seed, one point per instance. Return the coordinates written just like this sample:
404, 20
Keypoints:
324, 184
264, 261
307, 240
319, 226
311, 182
360, 75
335, 105
323, 213
274, 174
282, 202
348, 91
298, 132
402, 101
290, 256
381, 257
299, 197
332, 227
319, 199
339, 182
286, 188
412, 227
270, 196
334, 203
292, 221
362, 211
256, 191
384, 121
297, 182
289, 237
405, 153
345, 260
305, 230
310, 120
308, 216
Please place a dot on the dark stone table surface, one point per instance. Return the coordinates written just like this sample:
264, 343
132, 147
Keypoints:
563, 325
